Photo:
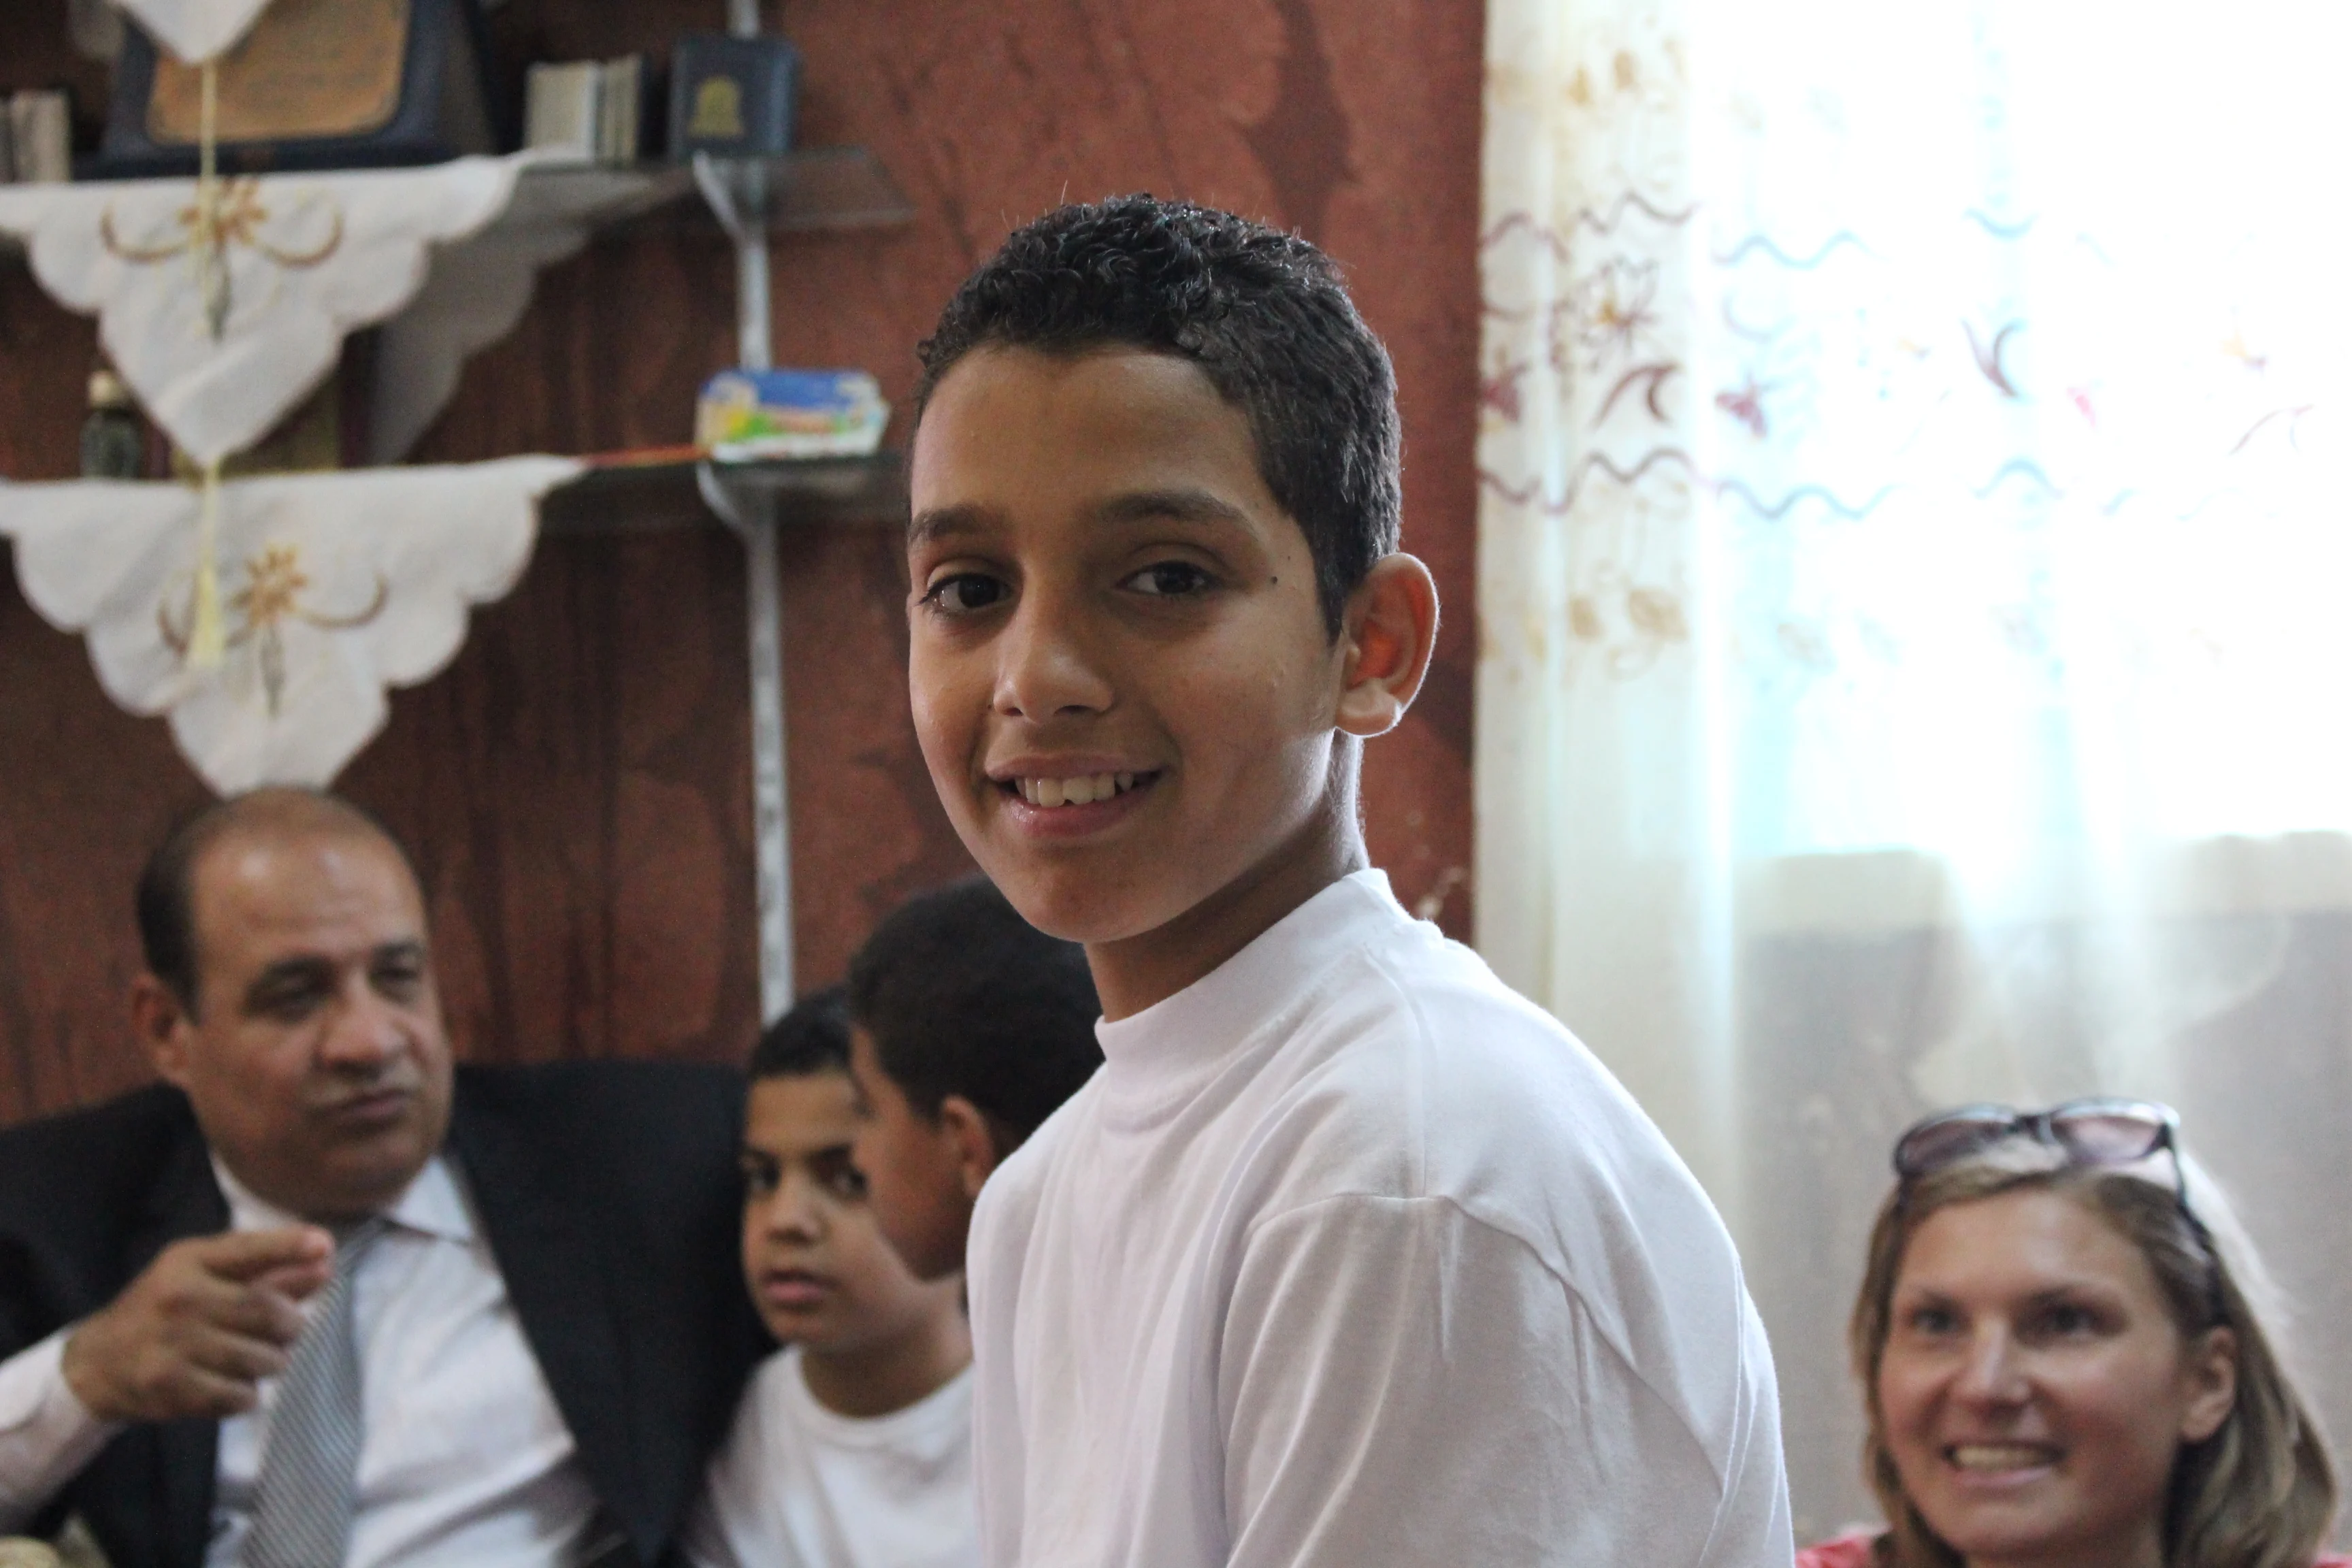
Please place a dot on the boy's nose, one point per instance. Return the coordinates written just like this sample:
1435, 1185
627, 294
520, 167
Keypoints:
793, 1211
1044, 668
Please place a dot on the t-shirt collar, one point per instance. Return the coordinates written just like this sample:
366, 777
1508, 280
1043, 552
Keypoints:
1189, 1032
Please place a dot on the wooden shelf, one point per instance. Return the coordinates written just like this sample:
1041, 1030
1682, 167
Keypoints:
813, 191
823, 492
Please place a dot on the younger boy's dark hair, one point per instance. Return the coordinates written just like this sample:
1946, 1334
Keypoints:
963, 996
1264, 314
812, 1039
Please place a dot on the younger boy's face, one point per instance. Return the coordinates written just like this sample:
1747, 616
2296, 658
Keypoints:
1120, 673
818, 1268
914, 1183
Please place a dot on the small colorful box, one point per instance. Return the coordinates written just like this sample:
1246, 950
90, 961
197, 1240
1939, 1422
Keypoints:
744, 415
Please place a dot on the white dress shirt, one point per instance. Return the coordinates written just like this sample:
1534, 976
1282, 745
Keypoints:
465, 1458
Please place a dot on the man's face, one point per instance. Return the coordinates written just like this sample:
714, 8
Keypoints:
316, 1058
1120, 674
913, 1178
820, 1271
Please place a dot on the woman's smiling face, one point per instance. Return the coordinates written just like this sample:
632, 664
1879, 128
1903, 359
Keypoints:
1120, 673
2035, 1393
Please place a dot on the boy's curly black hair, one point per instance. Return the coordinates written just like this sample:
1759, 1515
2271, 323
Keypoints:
1264, 314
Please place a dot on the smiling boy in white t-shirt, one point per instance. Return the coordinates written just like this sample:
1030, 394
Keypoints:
1348, 1254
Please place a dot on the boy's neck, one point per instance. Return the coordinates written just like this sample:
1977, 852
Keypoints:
1139, 972
880, 1379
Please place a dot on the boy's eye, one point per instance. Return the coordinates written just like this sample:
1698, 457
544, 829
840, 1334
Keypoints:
838, 1176
1170, 579
965, 593
760, 1176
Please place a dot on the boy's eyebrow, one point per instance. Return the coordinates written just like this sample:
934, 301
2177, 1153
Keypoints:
1182, 503
946, 522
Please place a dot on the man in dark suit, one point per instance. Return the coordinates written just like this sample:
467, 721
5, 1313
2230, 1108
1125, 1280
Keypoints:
320, 1298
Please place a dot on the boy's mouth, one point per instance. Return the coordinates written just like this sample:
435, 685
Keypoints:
1078, 789
795, 1289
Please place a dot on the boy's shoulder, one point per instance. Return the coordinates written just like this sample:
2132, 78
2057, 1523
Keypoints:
1413, 1040
1380, 1059
1415, 1073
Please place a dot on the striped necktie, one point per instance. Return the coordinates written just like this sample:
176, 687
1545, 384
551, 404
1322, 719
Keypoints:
304, 1499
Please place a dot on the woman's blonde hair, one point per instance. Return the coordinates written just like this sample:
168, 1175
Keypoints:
2259, 1493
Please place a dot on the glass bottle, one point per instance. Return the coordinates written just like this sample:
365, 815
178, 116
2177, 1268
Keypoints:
113, 442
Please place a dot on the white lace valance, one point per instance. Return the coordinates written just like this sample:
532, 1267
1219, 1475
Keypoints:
196, 30
307, 258
335, 586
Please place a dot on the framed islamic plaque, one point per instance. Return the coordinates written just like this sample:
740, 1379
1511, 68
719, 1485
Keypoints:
317, 84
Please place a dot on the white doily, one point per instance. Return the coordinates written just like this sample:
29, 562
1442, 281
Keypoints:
479, 290
196, 30
335, 586
311, 258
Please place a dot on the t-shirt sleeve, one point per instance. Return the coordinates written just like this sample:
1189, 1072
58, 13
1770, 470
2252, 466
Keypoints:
1400, 1383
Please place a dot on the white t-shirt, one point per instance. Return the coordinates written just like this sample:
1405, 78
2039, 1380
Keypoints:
1350, 1256
800, 1487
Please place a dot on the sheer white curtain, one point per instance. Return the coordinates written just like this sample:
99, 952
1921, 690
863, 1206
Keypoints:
1914, 566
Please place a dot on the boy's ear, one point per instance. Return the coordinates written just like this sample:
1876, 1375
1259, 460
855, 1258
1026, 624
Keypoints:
972, 1142
1389, 628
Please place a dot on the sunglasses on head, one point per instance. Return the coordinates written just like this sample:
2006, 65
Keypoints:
2087, 1131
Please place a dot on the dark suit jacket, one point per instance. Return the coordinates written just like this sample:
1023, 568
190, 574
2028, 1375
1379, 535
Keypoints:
610, 1195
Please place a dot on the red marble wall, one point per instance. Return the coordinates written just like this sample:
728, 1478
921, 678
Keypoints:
577, 782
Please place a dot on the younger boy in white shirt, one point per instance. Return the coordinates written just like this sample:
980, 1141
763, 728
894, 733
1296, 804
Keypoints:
1348, 1256
852, 1447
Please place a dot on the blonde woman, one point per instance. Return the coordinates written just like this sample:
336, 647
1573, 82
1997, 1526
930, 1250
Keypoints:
2062, 1370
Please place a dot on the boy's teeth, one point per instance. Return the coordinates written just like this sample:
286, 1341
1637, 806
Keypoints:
1083, 790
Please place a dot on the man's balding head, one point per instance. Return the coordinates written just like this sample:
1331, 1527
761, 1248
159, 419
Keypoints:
166, 896
290, 993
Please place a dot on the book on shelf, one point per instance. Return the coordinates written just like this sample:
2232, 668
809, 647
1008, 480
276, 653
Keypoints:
560, 108
620, 109
586, 110
732, 97
38, 148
